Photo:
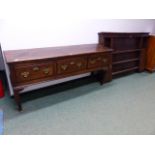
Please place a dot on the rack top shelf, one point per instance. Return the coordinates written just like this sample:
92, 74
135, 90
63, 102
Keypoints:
124, 34
127, 51
53, 52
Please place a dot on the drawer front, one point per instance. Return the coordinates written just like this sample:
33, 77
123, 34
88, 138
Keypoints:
71, 65
34, 71
98, 60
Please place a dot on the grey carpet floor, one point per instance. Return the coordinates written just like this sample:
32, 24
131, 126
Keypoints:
124, 106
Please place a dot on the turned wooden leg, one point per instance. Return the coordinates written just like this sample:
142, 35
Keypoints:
17, 99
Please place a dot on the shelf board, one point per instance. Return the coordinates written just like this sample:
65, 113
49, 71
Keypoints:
125, 61
126, 51
125, 70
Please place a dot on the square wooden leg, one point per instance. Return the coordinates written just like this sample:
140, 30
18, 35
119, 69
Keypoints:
17, 100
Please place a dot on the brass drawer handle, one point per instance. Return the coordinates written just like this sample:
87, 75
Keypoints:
64, 67
46, 70
99, 58
104, 60
25, 74
35, 68
79, 64
92, 61
72, 62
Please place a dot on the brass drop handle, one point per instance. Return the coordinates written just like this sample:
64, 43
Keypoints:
104, 60
64, 67
99, 58
79, 64
25, 74
46, 70
72, 62
93, 61
35, 68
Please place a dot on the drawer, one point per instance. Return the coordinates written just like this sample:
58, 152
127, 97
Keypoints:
71, 65
98, 60
27, 72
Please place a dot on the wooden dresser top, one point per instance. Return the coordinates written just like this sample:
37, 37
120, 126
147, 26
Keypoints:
52, 52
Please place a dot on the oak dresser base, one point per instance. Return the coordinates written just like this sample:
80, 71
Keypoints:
34, 66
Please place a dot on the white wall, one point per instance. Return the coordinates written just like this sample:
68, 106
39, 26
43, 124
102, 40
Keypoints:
20, 34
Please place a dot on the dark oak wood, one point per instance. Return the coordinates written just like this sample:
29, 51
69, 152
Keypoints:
17, 98
52, 52
34, 66
150, 55
125, 70
129, 50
